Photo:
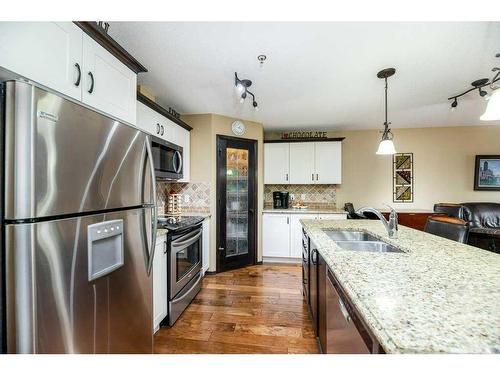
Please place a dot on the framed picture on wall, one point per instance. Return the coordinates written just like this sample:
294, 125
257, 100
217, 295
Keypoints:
487, 172
402, 178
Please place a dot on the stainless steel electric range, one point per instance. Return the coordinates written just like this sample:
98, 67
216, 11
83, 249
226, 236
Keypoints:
184, 246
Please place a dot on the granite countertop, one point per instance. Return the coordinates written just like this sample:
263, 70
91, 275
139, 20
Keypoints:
439, 296
161, 232
312, 210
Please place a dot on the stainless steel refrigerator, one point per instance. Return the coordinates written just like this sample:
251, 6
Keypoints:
79, 227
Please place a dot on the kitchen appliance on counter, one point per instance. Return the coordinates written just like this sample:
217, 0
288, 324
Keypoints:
78, 227
281, 199
184, 248
167, 159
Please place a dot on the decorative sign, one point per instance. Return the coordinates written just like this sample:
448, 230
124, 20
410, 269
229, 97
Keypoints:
402, 178
303, 135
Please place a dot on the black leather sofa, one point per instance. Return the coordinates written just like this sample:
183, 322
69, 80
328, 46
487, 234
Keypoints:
483, 219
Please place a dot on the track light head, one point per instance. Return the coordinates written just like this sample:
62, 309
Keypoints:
255, 105
454, 104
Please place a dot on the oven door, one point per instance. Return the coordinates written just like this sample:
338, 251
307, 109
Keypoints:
185, 259
167, 159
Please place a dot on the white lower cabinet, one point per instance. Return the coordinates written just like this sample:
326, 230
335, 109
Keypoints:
282, 233
205, 243
276, 235
160, 302
296, 233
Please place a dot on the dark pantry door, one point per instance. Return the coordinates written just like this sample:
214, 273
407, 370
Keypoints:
236, 202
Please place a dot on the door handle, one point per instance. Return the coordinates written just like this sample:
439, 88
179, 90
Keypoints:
312, 176
154, 214
343, 309
77, 66
157, 128
286, 176
316, 177
91, 89
162, 130
221, 249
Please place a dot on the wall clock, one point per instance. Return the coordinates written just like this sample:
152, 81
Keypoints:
238, 127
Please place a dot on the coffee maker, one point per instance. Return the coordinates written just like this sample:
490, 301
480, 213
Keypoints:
280, 199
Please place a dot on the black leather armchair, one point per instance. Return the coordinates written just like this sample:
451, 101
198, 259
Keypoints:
483, 219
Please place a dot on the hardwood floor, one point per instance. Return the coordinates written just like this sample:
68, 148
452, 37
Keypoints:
252, 310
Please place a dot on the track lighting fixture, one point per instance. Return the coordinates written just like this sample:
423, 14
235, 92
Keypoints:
479, 84
386, 145
242, 86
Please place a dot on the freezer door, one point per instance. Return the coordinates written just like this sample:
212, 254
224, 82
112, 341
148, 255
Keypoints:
62, 158
52, 305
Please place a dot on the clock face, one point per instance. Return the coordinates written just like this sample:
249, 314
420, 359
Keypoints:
238, 128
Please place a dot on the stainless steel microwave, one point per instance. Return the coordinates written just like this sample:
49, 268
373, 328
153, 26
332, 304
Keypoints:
167, 159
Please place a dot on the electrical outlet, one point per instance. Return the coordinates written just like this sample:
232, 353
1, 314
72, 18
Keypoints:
186, 198
292, 197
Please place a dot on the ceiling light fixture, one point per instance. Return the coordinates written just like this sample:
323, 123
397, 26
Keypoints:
479, 84
493, 108
386, 145
242, 86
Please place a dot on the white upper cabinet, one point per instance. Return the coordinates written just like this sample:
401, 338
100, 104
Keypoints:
49, 53
108, 84
184, 140
276, 163
146, 119
60, 56
302, 163
328, 162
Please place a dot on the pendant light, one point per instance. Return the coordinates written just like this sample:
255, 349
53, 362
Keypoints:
386, 145
493, 108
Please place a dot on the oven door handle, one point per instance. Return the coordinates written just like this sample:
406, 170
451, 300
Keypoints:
185, 242
189, 291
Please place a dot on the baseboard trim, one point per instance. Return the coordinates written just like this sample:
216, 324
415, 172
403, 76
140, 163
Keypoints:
281, 260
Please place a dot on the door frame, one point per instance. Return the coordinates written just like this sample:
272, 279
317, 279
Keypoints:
253, 180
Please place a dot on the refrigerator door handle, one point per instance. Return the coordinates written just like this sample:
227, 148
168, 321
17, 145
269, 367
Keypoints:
151, 252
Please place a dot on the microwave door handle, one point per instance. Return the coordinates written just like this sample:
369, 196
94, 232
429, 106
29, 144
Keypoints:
178, 156
154, 209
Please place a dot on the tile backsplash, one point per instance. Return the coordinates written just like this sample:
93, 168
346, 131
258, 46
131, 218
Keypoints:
198, 192
315, 195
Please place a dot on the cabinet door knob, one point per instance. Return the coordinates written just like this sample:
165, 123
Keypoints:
91, 89
77, 66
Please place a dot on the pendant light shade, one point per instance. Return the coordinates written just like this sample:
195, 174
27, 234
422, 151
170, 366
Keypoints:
493, 108
386, 145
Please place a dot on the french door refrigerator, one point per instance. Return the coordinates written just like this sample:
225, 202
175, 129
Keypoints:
79, 227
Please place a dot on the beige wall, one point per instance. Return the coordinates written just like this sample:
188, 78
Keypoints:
443, 165
206, 127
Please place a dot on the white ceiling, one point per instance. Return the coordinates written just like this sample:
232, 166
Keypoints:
317, 75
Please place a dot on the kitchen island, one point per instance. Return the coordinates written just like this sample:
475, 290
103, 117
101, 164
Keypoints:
438, 296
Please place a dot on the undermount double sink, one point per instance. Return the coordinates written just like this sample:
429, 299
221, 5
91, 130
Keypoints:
360, 241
